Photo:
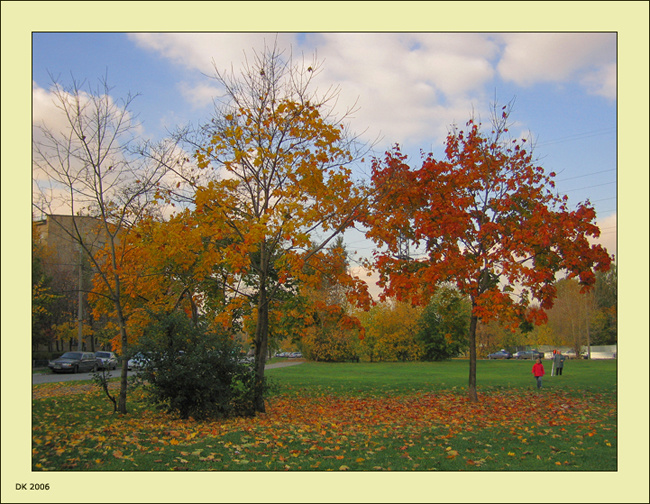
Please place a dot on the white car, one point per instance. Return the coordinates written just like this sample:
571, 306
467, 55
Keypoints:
571, 354
137, 361
106, 360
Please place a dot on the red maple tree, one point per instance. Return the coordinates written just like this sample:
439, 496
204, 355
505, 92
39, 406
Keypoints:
485, 218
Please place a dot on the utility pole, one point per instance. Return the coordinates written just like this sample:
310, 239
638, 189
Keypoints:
404, 247
80, 302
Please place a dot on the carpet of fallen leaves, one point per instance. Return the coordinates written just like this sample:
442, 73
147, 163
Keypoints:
419, 431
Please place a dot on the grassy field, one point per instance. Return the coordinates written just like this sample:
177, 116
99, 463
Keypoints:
356, 417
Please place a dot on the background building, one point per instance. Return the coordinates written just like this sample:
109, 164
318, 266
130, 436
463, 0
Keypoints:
69, 273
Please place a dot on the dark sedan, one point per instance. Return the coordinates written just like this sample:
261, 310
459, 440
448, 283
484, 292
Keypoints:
501, 354
74, 362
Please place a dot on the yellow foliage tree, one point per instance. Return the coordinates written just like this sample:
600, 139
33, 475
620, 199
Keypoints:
390, 332
271, 188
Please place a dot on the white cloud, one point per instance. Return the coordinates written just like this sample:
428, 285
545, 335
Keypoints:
371, 279
57, 164
601, 81
608, 233
407, 86
45, 111
199, 95
530, 58
402, 83
197, 51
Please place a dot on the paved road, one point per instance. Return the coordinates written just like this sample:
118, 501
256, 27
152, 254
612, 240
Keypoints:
53, 377
60, 377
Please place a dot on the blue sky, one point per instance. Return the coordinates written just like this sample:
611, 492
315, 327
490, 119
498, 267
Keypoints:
557, 99
409, 87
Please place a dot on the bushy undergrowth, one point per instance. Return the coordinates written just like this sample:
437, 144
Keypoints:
195, 372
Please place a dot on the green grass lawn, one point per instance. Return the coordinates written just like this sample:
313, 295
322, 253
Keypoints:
582, 375
357, 417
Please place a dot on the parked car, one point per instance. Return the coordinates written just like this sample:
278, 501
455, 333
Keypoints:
571, 354
106, 360
528, 354
137, 361
74, 362
501, 354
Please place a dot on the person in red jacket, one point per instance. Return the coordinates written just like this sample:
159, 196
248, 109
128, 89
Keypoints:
538, 372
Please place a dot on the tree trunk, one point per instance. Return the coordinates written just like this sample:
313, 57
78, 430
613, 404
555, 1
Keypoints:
473, 397
261, 344
123, 377
121, 406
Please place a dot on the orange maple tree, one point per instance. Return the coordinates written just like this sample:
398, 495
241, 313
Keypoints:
485, 218
163, 268
272, 187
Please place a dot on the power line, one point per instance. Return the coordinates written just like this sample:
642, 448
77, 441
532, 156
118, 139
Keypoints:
588, 187
577, 136
586, 175
604, 199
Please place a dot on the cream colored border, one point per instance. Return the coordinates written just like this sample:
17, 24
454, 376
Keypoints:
629, 19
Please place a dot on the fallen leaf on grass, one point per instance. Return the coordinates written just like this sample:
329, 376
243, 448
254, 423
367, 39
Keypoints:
444, 416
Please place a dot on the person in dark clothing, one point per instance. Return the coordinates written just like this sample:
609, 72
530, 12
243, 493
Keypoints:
558, 361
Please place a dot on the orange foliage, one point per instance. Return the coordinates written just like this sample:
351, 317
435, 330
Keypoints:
307, 431
485, 219
488, 220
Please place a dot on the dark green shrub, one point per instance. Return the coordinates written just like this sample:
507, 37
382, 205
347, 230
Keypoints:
444, 325
41, 358
195, 372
